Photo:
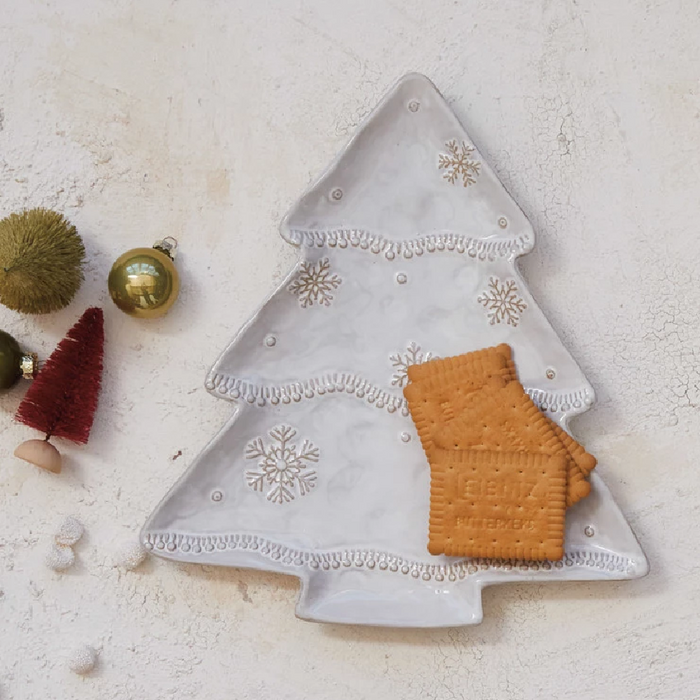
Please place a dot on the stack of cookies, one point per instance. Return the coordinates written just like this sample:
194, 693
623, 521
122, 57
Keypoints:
502, 473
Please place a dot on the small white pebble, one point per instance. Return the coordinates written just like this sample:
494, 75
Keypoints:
130, 555
82, 660
70, 532
59, 557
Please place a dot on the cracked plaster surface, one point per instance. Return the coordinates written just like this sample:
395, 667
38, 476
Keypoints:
205, 121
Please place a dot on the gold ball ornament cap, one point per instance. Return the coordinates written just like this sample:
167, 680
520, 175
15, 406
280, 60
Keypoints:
144, 282
29, 365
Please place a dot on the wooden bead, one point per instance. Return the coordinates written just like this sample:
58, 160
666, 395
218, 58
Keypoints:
40, 453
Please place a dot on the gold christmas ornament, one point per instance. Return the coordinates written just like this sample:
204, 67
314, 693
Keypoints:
144, 281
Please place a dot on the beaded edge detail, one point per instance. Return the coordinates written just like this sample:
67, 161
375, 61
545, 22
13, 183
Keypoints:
235, 389
370, 559
479, 249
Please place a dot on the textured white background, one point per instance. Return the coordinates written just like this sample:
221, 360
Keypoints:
204, 120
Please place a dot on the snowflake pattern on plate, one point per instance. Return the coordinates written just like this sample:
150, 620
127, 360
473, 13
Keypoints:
414, 355
503, 302
314, 283
458, 163
283, 466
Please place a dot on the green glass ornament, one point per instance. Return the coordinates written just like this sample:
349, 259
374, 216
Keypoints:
143, 282
14, 363
41, 261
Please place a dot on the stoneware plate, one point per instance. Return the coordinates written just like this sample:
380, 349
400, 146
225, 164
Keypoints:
408, 248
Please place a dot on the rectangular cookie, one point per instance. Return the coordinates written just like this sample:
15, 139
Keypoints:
440, 388
502, 505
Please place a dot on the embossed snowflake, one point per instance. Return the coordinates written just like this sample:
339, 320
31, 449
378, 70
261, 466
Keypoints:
283, 466
314, 283
503, 302
458, 163
414, 355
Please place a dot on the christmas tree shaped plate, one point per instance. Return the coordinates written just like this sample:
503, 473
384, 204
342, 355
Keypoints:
408, 247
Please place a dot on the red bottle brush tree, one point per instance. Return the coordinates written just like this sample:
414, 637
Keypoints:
61, 401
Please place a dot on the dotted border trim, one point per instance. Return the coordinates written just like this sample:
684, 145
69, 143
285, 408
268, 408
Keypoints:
479, 249
234, 389
370, 559
572, 402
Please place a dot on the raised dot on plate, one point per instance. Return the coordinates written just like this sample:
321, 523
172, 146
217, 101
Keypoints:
270, 341
550, 373
414, 105
588, 531
405, 437
503, 222
402, 278
217, 496
337, 194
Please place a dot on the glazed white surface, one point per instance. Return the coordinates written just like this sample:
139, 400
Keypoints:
206, 122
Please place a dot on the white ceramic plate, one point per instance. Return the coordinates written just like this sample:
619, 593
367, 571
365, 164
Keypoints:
407, 250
